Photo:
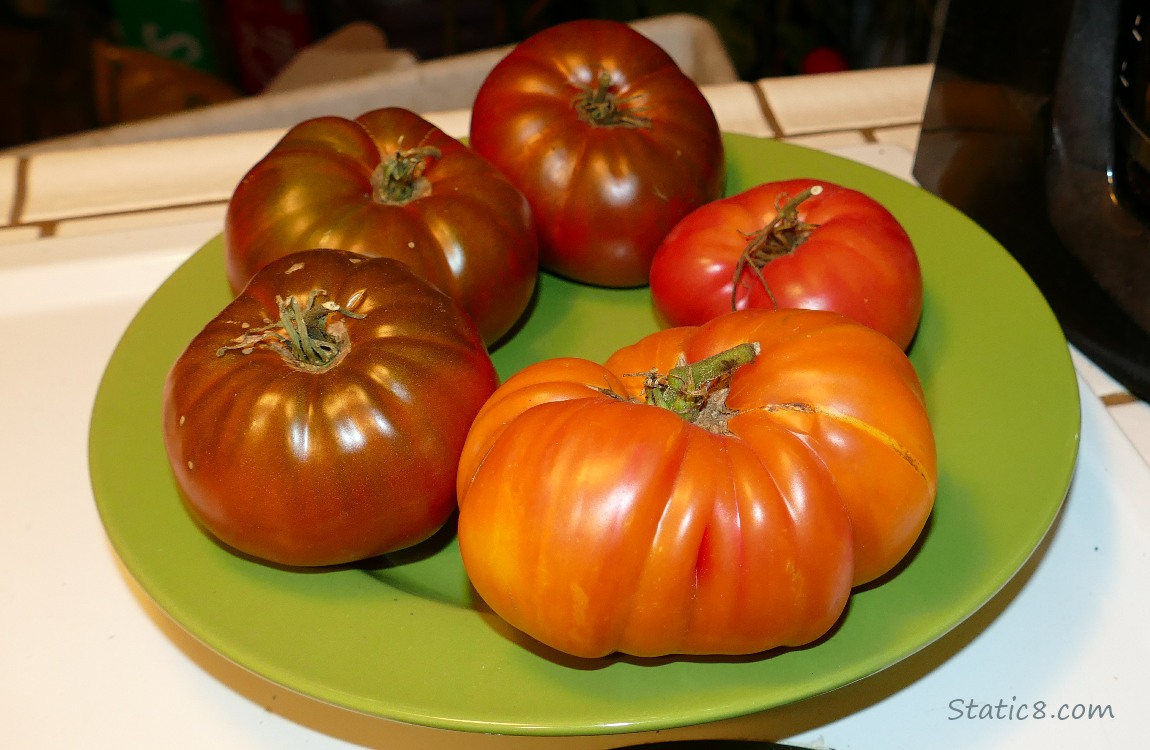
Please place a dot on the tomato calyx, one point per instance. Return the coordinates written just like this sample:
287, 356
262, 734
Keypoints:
602, 107
697, 391
301, 335
398, 180
782, 236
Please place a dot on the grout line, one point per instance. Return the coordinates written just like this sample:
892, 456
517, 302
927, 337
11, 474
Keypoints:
21, 196
767, 112
869, 132
1118, 399
48, 227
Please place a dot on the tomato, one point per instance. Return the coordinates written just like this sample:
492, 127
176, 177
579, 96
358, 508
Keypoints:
318, 418
727, 506
823, 60
609, 140
795, 243
391, 184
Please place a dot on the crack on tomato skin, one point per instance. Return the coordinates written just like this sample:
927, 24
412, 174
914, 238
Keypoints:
883, 437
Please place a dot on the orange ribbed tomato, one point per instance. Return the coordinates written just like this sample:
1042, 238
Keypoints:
318, 418
723, 506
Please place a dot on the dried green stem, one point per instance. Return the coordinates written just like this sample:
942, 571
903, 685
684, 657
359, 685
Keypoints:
689, 389
301, 332
399, 179
782, 236
601, 106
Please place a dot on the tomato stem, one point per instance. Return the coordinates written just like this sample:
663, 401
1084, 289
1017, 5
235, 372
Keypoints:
399, 179
301, 331
782, 236
601, 106
690, 390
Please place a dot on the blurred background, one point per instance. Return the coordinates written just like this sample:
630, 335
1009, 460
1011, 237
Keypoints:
68, 66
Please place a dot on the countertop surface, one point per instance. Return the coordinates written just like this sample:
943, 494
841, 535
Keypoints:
89, 233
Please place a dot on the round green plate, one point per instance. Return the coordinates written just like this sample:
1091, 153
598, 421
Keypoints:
406, 638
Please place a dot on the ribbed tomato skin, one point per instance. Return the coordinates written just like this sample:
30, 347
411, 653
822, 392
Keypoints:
597, 523
303, 466
472, 234
603, 196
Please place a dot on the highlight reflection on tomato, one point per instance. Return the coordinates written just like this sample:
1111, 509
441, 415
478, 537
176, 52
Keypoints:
708, 490
391, 184
798, 243
318, 418
609, 140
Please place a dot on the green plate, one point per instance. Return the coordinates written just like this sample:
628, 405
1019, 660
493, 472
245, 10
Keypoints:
407, 639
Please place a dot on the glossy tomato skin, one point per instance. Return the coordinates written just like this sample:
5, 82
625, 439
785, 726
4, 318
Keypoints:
603, 195
597, 523
468, 230
857, 260
303, 465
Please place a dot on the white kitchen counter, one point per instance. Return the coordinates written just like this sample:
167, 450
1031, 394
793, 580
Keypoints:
88, 662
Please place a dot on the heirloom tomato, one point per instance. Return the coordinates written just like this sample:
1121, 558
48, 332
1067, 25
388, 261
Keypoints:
391, 184
794, 243
319, 417
609, 140
708, 490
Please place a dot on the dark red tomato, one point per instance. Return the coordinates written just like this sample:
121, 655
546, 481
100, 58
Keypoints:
792, 244
390, 184
319, 418
609, 140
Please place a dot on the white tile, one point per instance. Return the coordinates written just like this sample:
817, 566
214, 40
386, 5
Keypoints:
851, 99
737, 108
15, 235
905, 136
7, 188
1131, 414
894, 160
137, 176
1134, 419
126, 222
455, 122
1098, 380
828, 141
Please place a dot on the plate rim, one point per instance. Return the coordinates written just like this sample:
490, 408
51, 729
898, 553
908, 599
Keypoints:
731, 709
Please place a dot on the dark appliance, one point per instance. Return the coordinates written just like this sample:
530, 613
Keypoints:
1037, 127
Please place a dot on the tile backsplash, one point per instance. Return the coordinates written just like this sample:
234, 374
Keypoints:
872, 116
104, 187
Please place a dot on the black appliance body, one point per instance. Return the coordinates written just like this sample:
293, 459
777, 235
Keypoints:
1037, 127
